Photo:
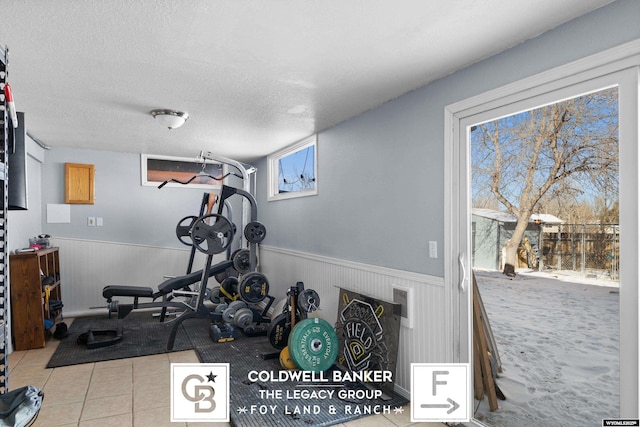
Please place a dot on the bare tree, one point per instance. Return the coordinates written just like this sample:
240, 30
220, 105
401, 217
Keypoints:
569, 149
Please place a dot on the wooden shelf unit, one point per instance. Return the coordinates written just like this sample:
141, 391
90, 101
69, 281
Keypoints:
29, 308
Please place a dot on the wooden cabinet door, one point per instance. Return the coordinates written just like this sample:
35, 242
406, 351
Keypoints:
79, 183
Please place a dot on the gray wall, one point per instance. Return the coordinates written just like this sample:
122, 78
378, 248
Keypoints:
132, 213
380, 175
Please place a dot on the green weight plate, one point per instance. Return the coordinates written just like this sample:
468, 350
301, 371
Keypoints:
313, 345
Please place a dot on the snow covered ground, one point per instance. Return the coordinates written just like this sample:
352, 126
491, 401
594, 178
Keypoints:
558, 340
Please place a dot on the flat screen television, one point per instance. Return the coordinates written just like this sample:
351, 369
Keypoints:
18, 166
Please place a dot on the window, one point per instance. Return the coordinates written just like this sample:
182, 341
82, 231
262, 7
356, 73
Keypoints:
292, 171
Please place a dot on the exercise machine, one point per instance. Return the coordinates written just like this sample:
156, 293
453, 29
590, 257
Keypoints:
211, 234
252, 287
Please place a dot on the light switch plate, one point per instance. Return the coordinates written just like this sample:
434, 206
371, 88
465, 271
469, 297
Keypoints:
433, 249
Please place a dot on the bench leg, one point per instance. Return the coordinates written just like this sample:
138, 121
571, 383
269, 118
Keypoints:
174, 331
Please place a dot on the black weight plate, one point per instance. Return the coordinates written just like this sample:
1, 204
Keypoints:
229, 272
212, 238
221, 276
253, 287
309, 300
229, 287
313, 345
183, 229
279, 330
214, 297
255, 232
242, 261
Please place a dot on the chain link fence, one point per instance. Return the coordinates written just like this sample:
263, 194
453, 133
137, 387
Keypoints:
592, 249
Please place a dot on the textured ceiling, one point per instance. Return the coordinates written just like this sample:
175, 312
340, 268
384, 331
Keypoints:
254, 76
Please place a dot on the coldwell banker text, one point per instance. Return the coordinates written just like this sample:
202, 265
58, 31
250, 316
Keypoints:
320, 388
321, 377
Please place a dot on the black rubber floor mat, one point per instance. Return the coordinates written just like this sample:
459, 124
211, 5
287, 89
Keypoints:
143, 335
246, 354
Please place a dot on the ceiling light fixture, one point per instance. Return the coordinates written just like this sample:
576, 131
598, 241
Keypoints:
170, 118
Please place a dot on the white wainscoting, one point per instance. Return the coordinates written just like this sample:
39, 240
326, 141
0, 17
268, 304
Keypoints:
429, 341
86, 266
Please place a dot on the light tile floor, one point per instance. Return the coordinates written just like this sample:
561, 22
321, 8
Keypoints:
120, 393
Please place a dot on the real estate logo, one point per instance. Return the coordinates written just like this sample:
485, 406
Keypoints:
199, 392
439, 392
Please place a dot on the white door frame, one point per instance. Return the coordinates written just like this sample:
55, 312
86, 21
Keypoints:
619, 65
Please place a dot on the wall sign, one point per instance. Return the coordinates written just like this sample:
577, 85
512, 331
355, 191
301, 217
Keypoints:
368, 334
157, 169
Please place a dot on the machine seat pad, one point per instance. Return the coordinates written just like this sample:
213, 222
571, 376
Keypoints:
111, 291
181, 282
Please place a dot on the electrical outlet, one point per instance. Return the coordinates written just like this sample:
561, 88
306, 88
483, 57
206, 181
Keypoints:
91, 221
99, 221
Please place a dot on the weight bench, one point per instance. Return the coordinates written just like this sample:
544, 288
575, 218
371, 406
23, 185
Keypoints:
176, 286
166, 290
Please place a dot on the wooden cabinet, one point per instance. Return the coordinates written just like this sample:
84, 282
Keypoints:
79, 183
35, 296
